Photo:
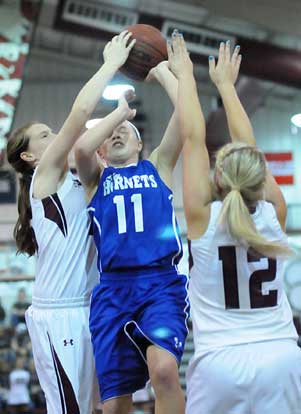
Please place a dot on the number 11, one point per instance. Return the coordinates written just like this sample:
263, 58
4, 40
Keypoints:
136, 199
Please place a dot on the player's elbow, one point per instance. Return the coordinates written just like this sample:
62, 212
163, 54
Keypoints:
187, 130
188, 135
82, 110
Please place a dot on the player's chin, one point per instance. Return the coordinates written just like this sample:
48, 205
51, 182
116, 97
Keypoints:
118, 156
118, 151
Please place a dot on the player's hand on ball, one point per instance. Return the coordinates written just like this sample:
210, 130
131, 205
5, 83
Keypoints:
178, 57
123, 104
117, 50
157, 71
227, 68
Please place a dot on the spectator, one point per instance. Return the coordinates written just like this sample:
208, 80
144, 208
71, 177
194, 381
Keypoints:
18, 395
19, 308
2, 314
20, 343
7, 355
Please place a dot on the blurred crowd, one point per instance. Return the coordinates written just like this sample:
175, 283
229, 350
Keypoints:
20, 391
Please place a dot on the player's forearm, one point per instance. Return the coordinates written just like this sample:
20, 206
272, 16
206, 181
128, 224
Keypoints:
92, 139
91, 93
238, 121
192, 122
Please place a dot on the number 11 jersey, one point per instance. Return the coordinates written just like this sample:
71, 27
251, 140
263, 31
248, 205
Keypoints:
134, 224
236, 296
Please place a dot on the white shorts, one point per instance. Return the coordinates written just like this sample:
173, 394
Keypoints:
254, 378
63, 358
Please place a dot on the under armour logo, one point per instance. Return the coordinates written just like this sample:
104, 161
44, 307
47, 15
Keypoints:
71, 342
77, 183
178, 344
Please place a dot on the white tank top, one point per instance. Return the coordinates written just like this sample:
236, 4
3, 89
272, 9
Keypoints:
66, 269
235, 297
18, 387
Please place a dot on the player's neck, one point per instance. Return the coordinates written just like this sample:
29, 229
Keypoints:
124, 163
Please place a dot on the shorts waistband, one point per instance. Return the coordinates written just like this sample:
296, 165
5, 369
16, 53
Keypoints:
135, 274
60, 303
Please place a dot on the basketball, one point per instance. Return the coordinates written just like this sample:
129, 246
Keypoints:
149, 50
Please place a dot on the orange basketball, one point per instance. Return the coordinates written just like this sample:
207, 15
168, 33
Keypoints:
149, 50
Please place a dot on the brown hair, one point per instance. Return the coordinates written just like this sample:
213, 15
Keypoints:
23, 232
240, 174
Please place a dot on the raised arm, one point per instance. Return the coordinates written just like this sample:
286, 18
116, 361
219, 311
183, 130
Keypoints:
85, 149
196, 167
224, 75
165, 156
54, 161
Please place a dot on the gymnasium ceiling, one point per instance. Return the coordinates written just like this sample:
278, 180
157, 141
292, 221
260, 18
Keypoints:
273, 21
63, 54
274, 16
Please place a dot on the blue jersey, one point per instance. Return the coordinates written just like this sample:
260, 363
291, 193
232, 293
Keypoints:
134, 223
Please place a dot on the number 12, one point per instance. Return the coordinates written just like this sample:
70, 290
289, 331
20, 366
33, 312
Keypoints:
227, 254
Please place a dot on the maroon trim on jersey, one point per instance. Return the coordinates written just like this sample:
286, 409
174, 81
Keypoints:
57, 377
190, 257
54, 211
91, 229
68, 400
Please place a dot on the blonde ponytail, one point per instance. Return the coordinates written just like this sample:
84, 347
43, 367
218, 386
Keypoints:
241, 226
240, 176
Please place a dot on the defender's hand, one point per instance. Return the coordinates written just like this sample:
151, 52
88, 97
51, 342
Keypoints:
178, 57
227, 68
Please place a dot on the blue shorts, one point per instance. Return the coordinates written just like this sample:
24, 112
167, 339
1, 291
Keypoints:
129, 313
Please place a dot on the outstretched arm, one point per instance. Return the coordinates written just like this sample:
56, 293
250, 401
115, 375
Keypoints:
224, 75
54, 161
165, 156
196, 167
85, 149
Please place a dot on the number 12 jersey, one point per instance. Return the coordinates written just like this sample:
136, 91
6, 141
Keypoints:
134, 224
237, 297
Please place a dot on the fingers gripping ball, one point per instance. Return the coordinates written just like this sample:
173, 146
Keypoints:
149, 50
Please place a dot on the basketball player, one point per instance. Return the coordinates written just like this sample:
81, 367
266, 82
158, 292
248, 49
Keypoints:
53, 224
139, 309
246, 358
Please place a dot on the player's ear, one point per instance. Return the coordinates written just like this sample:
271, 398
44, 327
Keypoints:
140, 145
27, 156
101, 151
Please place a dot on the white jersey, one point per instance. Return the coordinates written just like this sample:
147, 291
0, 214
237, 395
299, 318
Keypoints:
235, 297
18, 387
66, 269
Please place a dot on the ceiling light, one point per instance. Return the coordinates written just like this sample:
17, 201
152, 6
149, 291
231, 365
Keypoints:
296, 120
113, 92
